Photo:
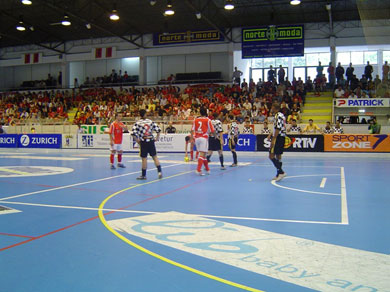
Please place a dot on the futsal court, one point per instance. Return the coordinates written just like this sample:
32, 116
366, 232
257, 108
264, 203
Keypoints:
70, 223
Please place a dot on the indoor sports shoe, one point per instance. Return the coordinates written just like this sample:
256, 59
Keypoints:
121, 165
141, 177
208, 172
223, 167
233, 165
280, 176
160, 175
199, 173
112, 166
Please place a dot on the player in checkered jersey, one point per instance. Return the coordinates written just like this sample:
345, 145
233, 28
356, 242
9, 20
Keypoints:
143, 134
233, 134
277, 141
294, 128
216, 141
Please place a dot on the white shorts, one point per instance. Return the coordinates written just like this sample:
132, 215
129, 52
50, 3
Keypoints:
116, 147
202, 144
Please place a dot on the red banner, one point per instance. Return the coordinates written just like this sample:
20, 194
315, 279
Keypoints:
36, 58
109, 52
98, 53
26, 58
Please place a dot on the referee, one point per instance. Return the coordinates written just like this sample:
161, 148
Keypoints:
233, 138
216, 142
143, 134
277, 141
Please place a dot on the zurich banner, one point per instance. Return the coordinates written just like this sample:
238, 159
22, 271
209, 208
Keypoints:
246, 142
40, 141
8, 140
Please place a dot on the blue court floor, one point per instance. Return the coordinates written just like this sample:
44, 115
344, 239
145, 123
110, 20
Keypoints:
70, 223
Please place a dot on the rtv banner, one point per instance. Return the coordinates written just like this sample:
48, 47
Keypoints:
101, 141
246, 142
362, 102
357, 143
273, 41
294, 143
187, 37
8, 140
40, 141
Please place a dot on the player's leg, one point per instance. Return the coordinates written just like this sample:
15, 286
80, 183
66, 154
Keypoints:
232, 146
153, 153
120, 152
112, 156
144, 155
220, 152
201, 146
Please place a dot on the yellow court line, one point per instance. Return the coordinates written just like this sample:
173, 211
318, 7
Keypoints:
160, 257
14, 171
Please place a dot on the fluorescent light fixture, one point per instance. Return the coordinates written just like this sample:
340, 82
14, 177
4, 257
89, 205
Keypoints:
362, 111
229, 5
152, 2
169, 11
66, 21
198, 15
20, 26
114, 15
295, 2
26, 2
88, 26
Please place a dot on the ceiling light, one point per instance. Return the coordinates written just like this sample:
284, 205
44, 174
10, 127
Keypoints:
169, 11
328, 7
229, 5
26, 2
20, 26
295, 2
66, 21
114, 15
31, 28
88, 26
198, 15
152, 2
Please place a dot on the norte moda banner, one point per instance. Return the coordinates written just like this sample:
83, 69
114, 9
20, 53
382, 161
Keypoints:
273, 41
8, 140
40, 141
357, 143
294, 143
362, 102
196, 36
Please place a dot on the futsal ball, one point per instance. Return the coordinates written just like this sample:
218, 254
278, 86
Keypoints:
186, 159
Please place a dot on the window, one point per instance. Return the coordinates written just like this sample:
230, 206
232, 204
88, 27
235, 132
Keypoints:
324, 58
311, 59
257, 63
344, 58
357, 58
281, 61
299, 61
371, 56
386, 56
269, 62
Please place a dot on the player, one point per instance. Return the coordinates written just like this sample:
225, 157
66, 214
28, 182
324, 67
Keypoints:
116, 137
143, 133
277, 141
233, 134
191, 141
201, 129
215, 143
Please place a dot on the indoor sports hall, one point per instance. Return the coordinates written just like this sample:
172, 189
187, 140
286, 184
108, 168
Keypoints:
194, 146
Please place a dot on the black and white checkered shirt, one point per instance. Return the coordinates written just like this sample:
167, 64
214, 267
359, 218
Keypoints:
233, 131
328, 131
280, 124
338, 130
143, 129
295, 130
265, 131
217, 126
248, 130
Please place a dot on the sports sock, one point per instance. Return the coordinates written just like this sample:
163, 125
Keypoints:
200, 162
234, 157
221, 159
119, 158
208, 158
158, 168
192, 154
143, 172
206, 164
112, 158
197, 154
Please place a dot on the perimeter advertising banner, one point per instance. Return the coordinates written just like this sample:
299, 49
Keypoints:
246, 142
357, 143
295, 143
8, 140
362, 102
40, 141
101, 141
196, 36
273, 41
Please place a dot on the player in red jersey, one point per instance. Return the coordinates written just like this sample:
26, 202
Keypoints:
190, 141
116, 137
201, 129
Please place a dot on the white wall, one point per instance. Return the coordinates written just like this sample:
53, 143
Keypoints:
76, 70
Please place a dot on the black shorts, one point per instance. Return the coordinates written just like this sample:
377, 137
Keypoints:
214, 144
231, 145
279, 145
147, 148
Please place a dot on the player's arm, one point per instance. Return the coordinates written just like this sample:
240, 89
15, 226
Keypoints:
319, 129
110, 135
273, 140
134, 133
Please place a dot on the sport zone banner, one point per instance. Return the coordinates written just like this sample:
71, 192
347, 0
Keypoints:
294, 143
273, 41
362, 102
357, 143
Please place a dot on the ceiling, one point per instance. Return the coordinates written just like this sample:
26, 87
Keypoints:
139, 17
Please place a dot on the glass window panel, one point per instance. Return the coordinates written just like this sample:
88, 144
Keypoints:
324, 58
300, 72
386, 56
256, 74
357, 58
371, 56
269, 62
343, 58
281, 61
299, 61
257, 63
312, 72
311, 59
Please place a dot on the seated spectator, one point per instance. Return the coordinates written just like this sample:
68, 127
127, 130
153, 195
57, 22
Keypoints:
328, 129
311, 128
248, 128
337, 129
2, 130
265, 129
170, 129
293, 116
294, 128
374, 127
339, 92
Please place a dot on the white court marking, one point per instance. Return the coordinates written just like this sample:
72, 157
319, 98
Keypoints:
26, 171
77, 184
154, 212
59, 158
323, 182
344, 204
107, 155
